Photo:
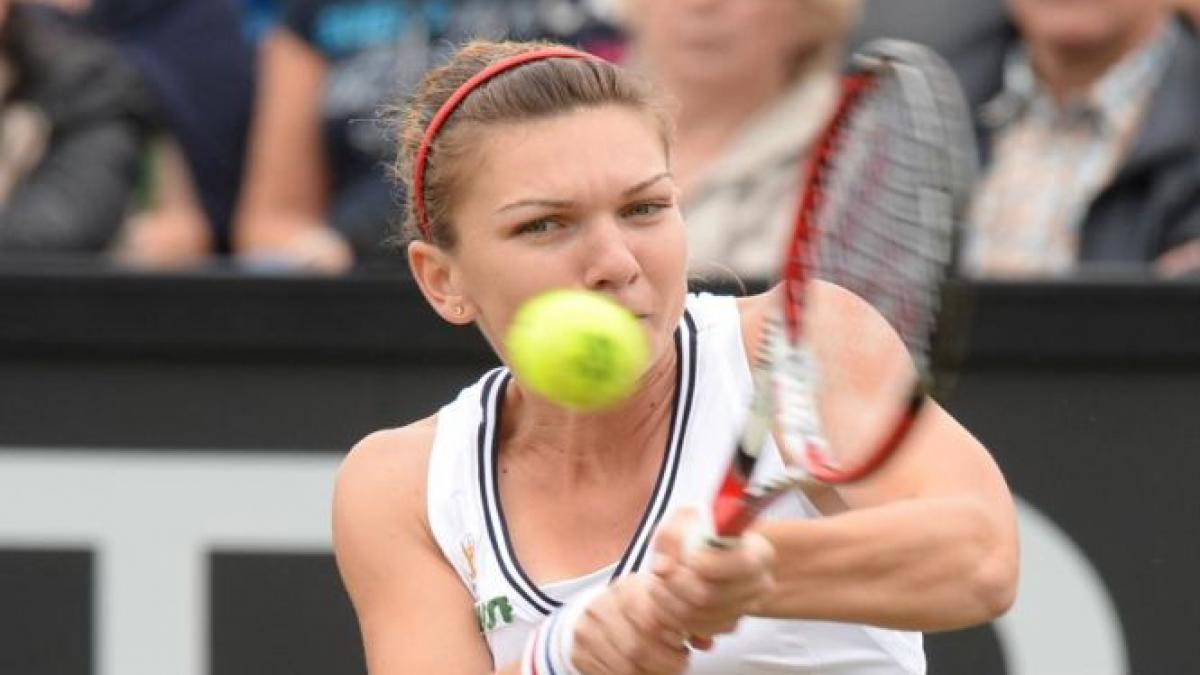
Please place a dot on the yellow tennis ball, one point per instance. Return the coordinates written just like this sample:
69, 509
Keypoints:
577, 348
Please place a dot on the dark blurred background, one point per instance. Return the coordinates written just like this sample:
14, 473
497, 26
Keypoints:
200, 309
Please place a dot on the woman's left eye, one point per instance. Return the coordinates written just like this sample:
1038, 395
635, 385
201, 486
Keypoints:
643, 209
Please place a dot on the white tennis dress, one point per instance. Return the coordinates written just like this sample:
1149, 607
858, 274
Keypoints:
712, 394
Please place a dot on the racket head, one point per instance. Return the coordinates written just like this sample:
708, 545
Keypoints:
869, 304
853, 362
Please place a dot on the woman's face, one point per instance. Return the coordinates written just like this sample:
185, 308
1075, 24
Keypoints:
580, 200
720, 40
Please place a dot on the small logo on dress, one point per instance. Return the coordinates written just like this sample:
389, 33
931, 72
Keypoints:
493, 613
468, 550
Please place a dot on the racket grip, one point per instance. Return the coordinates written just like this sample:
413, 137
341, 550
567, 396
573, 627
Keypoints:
733, 515
729, 517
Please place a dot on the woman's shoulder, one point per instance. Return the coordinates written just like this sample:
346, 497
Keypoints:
818, 289
835, 311
384, 475
395, 444
391, 449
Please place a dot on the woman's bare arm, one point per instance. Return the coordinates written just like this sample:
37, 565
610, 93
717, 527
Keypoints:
927, 543
414, 612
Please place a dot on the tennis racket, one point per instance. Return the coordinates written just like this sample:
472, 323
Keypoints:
883, 197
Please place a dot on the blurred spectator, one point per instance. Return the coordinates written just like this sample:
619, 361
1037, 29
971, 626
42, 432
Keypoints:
167, 227
754, 82
72, 124
199, 63
317, 193
258, 17
1089, 127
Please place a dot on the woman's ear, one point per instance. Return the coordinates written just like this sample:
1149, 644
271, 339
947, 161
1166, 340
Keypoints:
437, 276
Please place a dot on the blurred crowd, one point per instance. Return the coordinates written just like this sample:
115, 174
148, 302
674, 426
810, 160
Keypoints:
170, 134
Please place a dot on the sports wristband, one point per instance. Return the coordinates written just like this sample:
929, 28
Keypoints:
550, 648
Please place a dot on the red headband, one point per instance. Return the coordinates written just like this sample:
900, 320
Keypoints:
452, 103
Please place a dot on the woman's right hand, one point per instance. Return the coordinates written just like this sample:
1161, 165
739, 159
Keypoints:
704, 591
621, 633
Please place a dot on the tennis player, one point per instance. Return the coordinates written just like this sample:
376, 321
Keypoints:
505, 534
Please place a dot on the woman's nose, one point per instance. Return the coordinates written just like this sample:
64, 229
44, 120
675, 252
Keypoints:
610, 262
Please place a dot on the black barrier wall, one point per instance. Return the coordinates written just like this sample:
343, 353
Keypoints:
167, 447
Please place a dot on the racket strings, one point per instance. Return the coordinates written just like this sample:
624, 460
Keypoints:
795, 378
876, 240
890, 179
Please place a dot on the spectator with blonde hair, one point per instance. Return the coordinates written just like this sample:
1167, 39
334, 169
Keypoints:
753, 82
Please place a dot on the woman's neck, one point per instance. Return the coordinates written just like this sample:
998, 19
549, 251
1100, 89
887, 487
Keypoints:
581, 449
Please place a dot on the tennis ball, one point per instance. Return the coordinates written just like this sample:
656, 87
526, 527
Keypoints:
579, 349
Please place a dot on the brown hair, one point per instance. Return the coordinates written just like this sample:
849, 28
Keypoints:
533, 90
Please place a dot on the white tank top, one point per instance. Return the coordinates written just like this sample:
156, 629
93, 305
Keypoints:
713, 390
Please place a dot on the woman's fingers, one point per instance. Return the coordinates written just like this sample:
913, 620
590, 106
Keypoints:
746, 562
652, 646
672, 536
595, 652
705, 591
619, 634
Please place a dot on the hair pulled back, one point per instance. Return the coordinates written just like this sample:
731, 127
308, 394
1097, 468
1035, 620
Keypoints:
534, 90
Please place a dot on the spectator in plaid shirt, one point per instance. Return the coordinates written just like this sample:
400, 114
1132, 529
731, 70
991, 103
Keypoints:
1088, 126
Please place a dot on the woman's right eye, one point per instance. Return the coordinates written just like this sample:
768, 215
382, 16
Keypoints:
541, 226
